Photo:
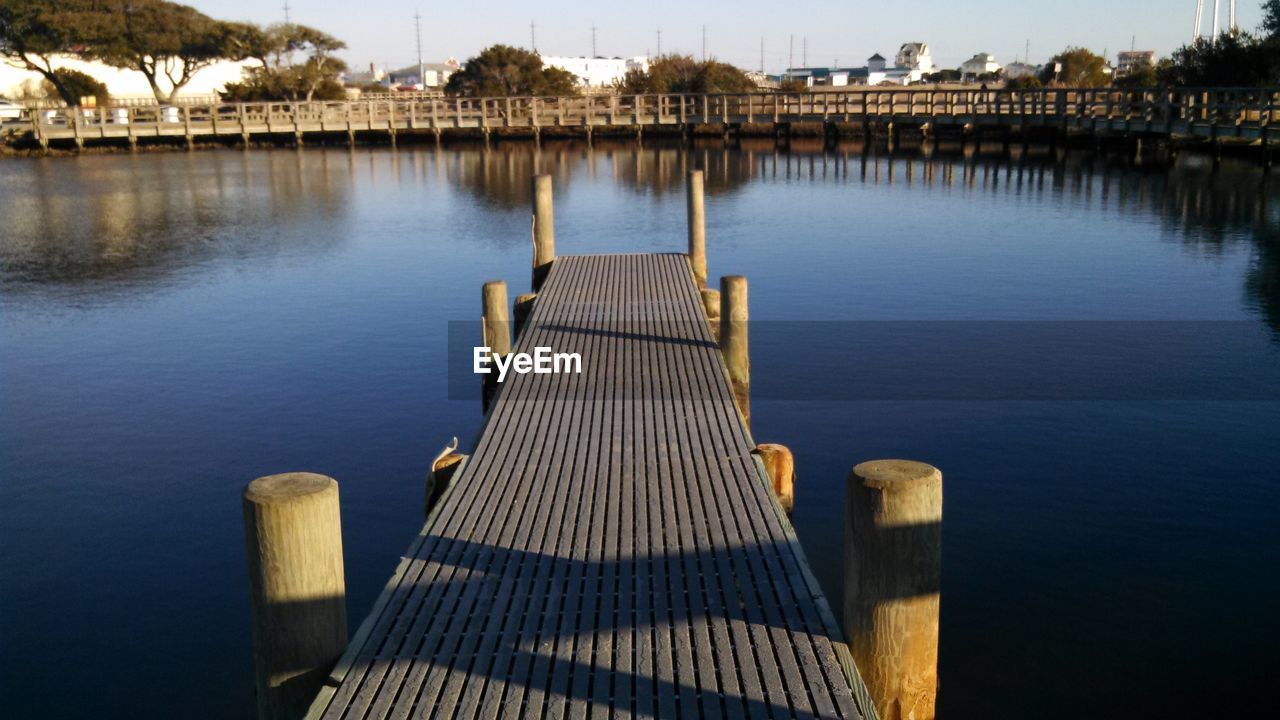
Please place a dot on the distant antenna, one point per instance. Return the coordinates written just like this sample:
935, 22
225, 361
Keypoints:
533, 36
593, 40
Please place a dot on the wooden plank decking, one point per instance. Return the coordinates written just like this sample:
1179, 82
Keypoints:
611, 548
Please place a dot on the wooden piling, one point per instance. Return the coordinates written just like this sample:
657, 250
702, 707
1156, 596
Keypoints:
893, 563
781, 467
293, 538
711, 307
496, 331
544, 230
440, 474
522, 310
733, 340
697, 228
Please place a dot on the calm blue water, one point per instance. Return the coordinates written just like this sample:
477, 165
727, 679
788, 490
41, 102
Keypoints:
174, 325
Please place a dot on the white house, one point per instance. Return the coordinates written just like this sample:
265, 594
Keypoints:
1020, 69
914, 56
122, 84
598, 72
980, 64
433, 75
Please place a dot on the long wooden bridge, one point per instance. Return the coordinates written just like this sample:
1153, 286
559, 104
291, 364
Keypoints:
616, 545
1213, 113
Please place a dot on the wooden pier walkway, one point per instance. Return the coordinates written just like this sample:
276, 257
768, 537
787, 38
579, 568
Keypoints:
612, 548
1245, 113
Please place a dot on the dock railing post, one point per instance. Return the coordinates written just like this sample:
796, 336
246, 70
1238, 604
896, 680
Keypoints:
293, 538
697, 229
780, 465
733, 340
496, 328
521, 311
893, 564
544, 230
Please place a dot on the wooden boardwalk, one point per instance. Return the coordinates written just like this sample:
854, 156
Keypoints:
612, 547
1246, 113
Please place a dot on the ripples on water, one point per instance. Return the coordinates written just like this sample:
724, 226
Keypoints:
176, 324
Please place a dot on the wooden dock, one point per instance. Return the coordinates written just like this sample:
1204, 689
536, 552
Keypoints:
1245, 113
612, 547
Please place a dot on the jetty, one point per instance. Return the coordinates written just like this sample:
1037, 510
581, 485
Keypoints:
1245, 114
615, 545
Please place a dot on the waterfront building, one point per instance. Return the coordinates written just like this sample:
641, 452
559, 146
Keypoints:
1127, 61
979, 65
914, 56
1020, 69
597, 72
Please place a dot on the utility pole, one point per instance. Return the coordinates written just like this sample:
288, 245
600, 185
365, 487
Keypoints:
1026, 52
533, 36
704, 43
1195, 34
659, 42
1216, 4
417, 27
791, 53
1231, 17
804, 52
761, 54
286, 14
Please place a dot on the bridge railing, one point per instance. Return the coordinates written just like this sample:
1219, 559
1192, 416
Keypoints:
1166, 108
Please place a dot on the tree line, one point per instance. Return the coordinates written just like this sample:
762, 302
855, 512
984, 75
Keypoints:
169, 44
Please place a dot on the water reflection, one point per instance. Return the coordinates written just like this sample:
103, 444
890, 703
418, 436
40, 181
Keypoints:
139, 218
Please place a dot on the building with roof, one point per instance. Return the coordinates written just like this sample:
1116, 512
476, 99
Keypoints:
979, 65
914, 56
598, 72
1129, 61
1017, 69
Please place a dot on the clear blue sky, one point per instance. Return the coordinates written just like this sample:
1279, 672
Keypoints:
382, 31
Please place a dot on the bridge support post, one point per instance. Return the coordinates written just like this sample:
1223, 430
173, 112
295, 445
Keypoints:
893, 562
496, 331
544, 230
711, 308
781, 467
440, 476
523, 308
697, 228
733, 340
293, 538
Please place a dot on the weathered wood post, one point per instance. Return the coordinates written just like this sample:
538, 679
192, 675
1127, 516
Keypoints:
440, 475
733, 340
544, 230
496, 330
711, 307
523, 308
893, 564
293, 537
697, 229
781, 467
